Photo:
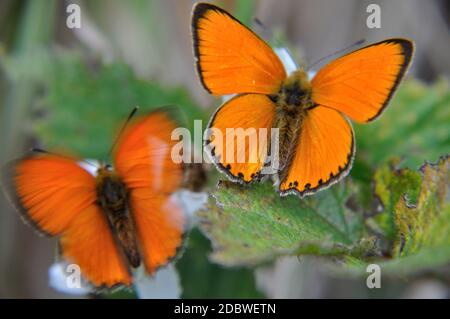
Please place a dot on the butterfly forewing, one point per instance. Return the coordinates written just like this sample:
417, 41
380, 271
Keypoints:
360, 84
40, 184
230, 58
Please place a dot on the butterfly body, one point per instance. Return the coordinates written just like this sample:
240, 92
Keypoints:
292, 103
316, 143
112, 197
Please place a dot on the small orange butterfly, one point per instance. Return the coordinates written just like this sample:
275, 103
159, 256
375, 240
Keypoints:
110, 223
316, 140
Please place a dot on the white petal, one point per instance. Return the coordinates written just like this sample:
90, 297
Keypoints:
90, 168
165, 284
61, 280
286, 58
191, 202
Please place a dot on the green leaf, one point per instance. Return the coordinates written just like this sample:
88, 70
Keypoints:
84, 107
251, 225
414, 127
391, 184
427, 223
202, 279
421, 219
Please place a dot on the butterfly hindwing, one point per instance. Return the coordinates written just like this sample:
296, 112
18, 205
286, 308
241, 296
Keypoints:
143, 160
160, 226
247, 114
361, 83
89, 243
323, 155
231, 58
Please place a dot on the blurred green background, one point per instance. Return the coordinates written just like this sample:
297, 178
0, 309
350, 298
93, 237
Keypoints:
70, 89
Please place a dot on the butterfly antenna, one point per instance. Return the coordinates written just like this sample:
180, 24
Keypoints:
132, 113
261, 24
267, 33
357, 43
40, 150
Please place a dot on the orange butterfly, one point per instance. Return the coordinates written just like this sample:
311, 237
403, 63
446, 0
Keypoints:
316, 142
117, 220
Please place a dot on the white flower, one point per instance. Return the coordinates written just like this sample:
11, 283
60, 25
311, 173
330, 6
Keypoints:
164, 284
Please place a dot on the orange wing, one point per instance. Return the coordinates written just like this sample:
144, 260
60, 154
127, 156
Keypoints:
59, 197
247, 113
323, 155
89, 243
49, 191
230, 58
360, 84
143, 160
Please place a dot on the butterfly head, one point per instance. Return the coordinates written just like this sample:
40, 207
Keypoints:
295, 93
111, 191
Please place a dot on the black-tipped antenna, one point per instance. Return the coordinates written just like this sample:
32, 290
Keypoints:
357, 43
40, 150
132, 113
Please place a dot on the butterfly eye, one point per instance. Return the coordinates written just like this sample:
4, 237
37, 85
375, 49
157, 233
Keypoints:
108, 167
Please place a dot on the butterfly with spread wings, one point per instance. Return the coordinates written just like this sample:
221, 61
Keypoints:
114, 221
316, 141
